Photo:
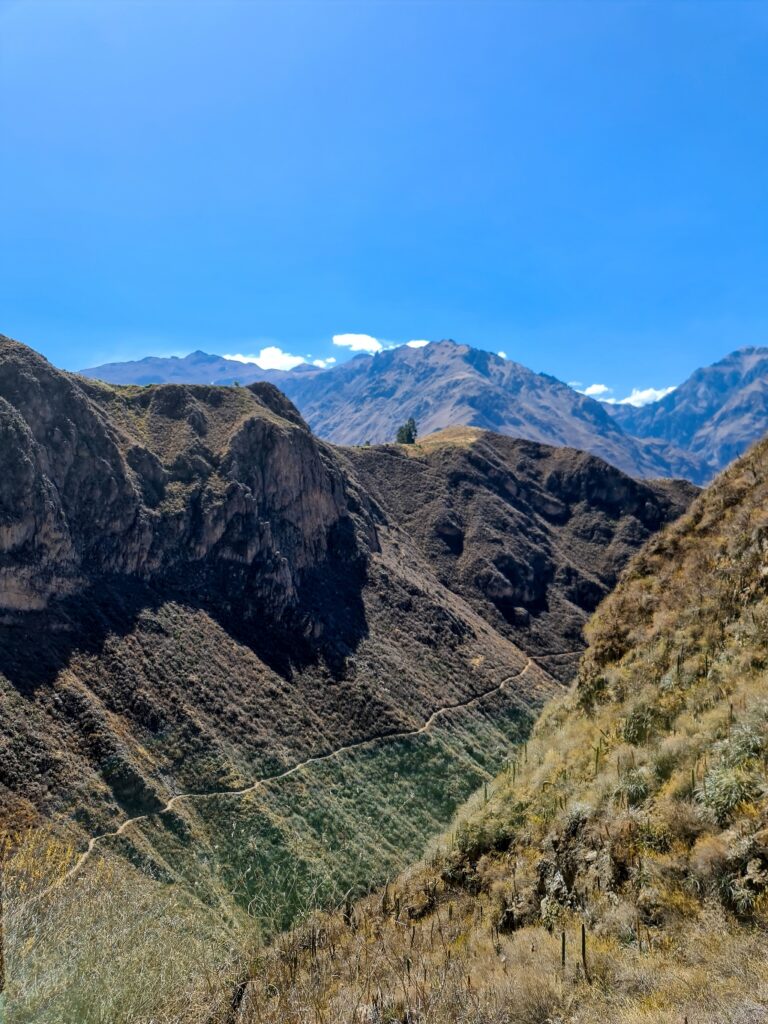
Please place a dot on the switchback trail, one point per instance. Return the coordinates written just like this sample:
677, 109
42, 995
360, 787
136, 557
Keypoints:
316, 759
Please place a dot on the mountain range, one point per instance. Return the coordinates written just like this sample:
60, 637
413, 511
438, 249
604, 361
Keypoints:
243, 669
213, 518
247, 675
693, 432
617, 869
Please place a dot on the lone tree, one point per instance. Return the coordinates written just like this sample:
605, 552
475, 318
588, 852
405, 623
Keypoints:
407, 433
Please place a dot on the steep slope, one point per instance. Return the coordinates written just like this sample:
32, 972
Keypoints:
198, 595
445, 384
531, 536
713, 416
618, 869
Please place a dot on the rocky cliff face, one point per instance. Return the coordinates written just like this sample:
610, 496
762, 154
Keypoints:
532, 536
98, 482
194, 590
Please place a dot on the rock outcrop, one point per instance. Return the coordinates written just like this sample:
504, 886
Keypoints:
533, 537
195, 590
96, 481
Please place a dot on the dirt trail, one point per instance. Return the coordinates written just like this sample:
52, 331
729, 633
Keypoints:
368, 741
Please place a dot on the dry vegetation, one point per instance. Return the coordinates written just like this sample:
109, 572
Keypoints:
452, 967
637, 810
116, 946
462, 437
159, 924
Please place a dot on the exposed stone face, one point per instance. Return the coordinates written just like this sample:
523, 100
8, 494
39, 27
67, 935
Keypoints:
80, 497
534, 537
194, 589
34, 534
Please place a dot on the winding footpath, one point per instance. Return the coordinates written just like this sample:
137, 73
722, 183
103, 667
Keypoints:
317, 759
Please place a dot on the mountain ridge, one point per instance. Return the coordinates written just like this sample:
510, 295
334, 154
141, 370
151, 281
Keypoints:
198, 592
693, 432
617, 869
442, 384
716, 414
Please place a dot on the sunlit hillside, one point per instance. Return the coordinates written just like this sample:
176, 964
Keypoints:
618, 868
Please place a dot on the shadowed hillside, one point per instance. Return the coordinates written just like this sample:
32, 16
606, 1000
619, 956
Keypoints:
227, 661
618, 868
533, 537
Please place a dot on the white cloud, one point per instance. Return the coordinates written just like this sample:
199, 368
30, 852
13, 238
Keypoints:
269, 358
240, 358
597, 391
638, 396
358, 342
367, 343
502, 354
644, 396
324, 363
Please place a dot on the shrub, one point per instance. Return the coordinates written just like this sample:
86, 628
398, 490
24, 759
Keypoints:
655, 835
685, 821
639, 723
737, 893
708, 857
634, 786
667, 757
407, 433
725, 788
747, 743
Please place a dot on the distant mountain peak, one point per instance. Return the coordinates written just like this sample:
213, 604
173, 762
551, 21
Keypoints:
693, 431
715, 415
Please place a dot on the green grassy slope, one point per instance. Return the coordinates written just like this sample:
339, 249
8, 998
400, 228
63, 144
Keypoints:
254, 864
638, 811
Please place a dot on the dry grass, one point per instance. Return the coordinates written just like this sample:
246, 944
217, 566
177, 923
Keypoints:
451, 966
460, 437
167, 418
639, 809
114, 946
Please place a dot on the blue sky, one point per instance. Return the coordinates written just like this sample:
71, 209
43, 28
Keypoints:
583, 186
